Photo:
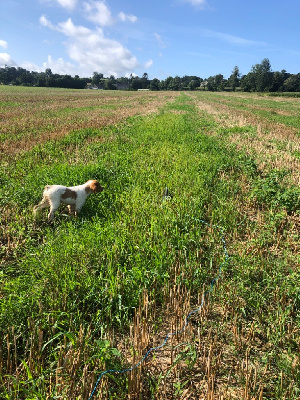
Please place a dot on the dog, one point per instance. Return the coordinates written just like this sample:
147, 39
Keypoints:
74, 197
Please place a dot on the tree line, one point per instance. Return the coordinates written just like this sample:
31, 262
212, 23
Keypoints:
261, 78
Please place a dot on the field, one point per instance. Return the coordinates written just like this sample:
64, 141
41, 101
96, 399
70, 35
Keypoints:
82, 296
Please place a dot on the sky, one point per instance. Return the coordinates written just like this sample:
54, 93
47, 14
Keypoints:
159, 37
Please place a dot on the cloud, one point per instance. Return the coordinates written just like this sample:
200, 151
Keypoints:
197, 54
148, 64
60, 66
5, 59
98, 12
196, 3
3, 44
44, 22
127, 17
29, 66
160, 41
68, 4
230, 38
92, 51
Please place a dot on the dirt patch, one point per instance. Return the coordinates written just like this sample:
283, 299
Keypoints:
38, 116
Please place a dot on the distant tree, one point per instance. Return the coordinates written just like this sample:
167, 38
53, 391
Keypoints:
211, 84
193, 84
220, 82
234, 79
162, 85
216, 82
136, 83
48, 72
175, 83
168, 83
49, 78
110, 84
278, 79
292, 84
145, 81
97, 78
262, 75
8, 74
41, 81
248, 82
154, 84
260, 78
122, 83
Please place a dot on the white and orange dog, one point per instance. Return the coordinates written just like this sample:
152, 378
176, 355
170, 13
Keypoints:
74, 197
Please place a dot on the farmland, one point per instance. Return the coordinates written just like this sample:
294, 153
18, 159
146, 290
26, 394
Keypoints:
84, 295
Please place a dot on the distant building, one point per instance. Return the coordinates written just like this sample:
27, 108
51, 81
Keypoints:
203, 85
91, 86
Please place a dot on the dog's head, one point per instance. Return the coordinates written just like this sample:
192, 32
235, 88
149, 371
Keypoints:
94, 186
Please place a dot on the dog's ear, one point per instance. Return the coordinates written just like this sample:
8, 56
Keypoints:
96, 187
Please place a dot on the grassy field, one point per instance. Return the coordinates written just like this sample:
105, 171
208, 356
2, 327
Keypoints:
84, 295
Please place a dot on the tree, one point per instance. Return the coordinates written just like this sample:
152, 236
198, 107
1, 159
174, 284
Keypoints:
154, 84
263, 75
248, 82
49, 78
136, 83
292, 84
260, 78
216, 82
110, 84
96, 78
193, 84
234, 79
176, 83
145, 81
220, 82
48, 72
278, 81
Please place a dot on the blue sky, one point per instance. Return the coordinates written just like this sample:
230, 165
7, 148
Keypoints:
161, 37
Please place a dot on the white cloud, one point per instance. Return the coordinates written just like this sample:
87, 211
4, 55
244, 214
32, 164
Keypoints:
5, 59
3, 44
92, 50
44, 22
60, 66
71, 30
231, 38
98, 12
195, 3
29, 66
160, 41
127, 17
68, 4
148, 64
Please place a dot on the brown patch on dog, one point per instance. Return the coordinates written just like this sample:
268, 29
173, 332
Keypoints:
93, 186
69, 194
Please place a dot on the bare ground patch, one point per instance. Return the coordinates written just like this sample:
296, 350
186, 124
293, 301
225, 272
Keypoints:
40, 116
